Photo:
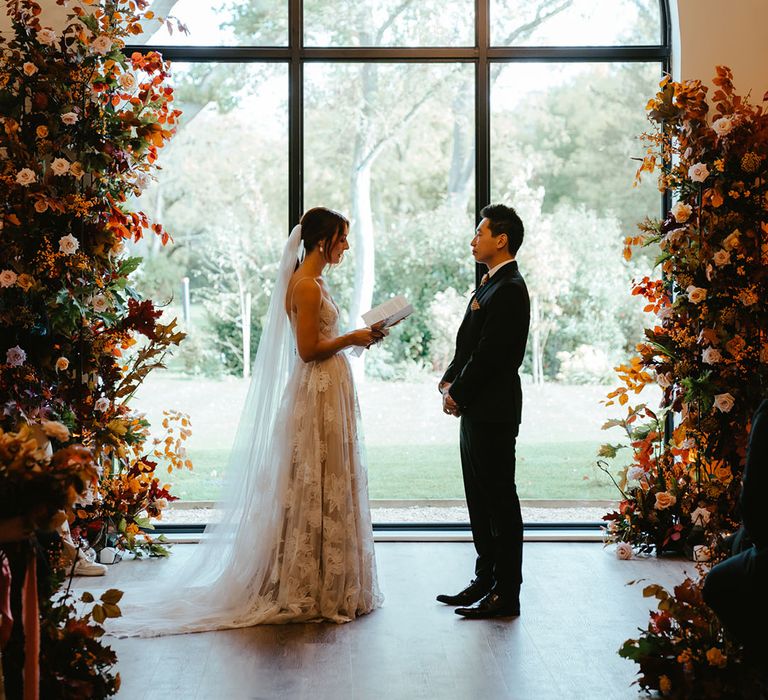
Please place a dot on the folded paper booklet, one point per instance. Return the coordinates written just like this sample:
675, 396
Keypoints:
391, 311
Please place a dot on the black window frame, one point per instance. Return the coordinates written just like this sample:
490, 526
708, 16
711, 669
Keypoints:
483, 55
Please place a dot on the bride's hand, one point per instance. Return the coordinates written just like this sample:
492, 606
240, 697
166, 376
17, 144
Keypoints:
365, 337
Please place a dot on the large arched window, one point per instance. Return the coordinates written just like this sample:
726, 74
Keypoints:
410, 116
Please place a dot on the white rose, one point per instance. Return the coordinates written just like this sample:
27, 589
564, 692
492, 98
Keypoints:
664, 380
142, 180
55, 430
721, 257
664, 500
25, 177
60, 166
682, 212
696, 294
46, 36
722, 126
127, 81
711, 356
698, 172
8, 278
100, 303
15, 356
69, 118
161, 503
724, 402
701, 516
101, 404
68, 244
636, 474
102, 44
624, 551
29, 68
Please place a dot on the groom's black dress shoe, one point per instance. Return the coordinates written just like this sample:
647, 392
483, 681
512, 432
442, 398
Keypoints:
493, 605
471, 594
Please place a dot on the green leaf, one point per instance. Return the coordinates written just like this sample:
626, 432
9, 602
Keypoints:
609, 451
128, 266
629, 650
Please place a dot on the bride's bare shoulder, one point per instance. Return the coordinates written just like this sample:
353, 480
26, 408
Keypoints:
301, 293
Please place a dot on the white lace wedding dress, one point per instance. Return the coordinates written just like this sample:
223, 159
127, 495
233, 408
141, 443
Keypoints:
295, 542
324, 565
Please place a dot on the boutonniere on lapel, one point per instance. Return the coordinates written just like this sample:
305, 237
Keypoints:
474, 305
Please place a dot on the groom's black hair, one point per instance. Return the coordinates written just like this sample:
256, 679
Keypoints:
504, 219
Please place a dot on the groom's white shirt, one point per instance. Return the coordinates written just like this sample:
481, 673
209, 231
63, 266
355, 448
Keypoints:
498, 267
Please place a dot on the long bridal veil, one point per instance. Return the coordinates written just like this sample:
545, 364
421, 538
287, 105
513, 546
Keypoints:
221, 585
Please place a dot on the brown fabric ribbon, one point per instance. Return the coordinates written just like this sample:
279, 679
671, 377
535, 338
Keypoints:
6, 618
30, 615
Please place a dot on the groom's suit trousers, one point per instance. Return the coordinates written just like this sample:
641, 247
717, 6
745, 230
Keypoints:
488, 467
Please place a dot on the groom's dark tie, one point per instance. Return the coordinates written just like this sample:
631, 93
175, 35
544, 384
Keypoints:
484, 279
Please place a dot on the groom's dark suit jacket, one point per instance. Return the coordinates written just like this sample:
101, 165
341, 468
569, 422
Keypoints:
490, 346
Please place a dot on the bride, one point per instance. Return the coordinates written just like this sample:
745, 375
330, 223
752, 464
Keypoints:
295, 542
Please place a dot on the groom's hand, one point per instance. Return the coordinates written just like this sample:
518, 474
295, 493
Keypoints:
450, 407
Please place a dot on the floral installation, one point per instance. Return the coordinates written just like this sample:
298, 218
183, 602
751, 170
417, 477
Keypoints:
133, 495
74, 662
708, 347
684, 653
42, 486
81, 128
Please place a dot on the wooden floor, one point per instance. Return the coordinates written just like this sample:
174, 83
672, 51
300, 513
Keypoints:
576, 611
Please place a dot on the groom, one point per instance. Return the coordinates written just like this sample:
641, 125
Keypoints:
482, 386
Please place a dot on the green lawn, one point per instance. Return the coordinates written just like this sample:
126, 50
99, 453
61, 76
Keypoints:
548, 470
412, 445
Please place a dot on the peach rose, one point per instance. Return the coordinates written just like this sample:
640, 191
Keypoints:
664, 500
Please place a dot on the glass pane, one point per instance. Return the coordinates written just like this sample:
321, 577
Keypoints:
575, 23
392, 146
235, 23
563, 140
389, 23
223, 196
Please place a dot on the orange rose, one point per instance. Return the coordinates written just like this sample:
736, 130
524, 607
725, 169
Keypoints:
715, 657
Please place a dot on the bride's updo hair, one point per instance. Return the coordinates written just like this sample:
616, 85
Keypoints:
320, 226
